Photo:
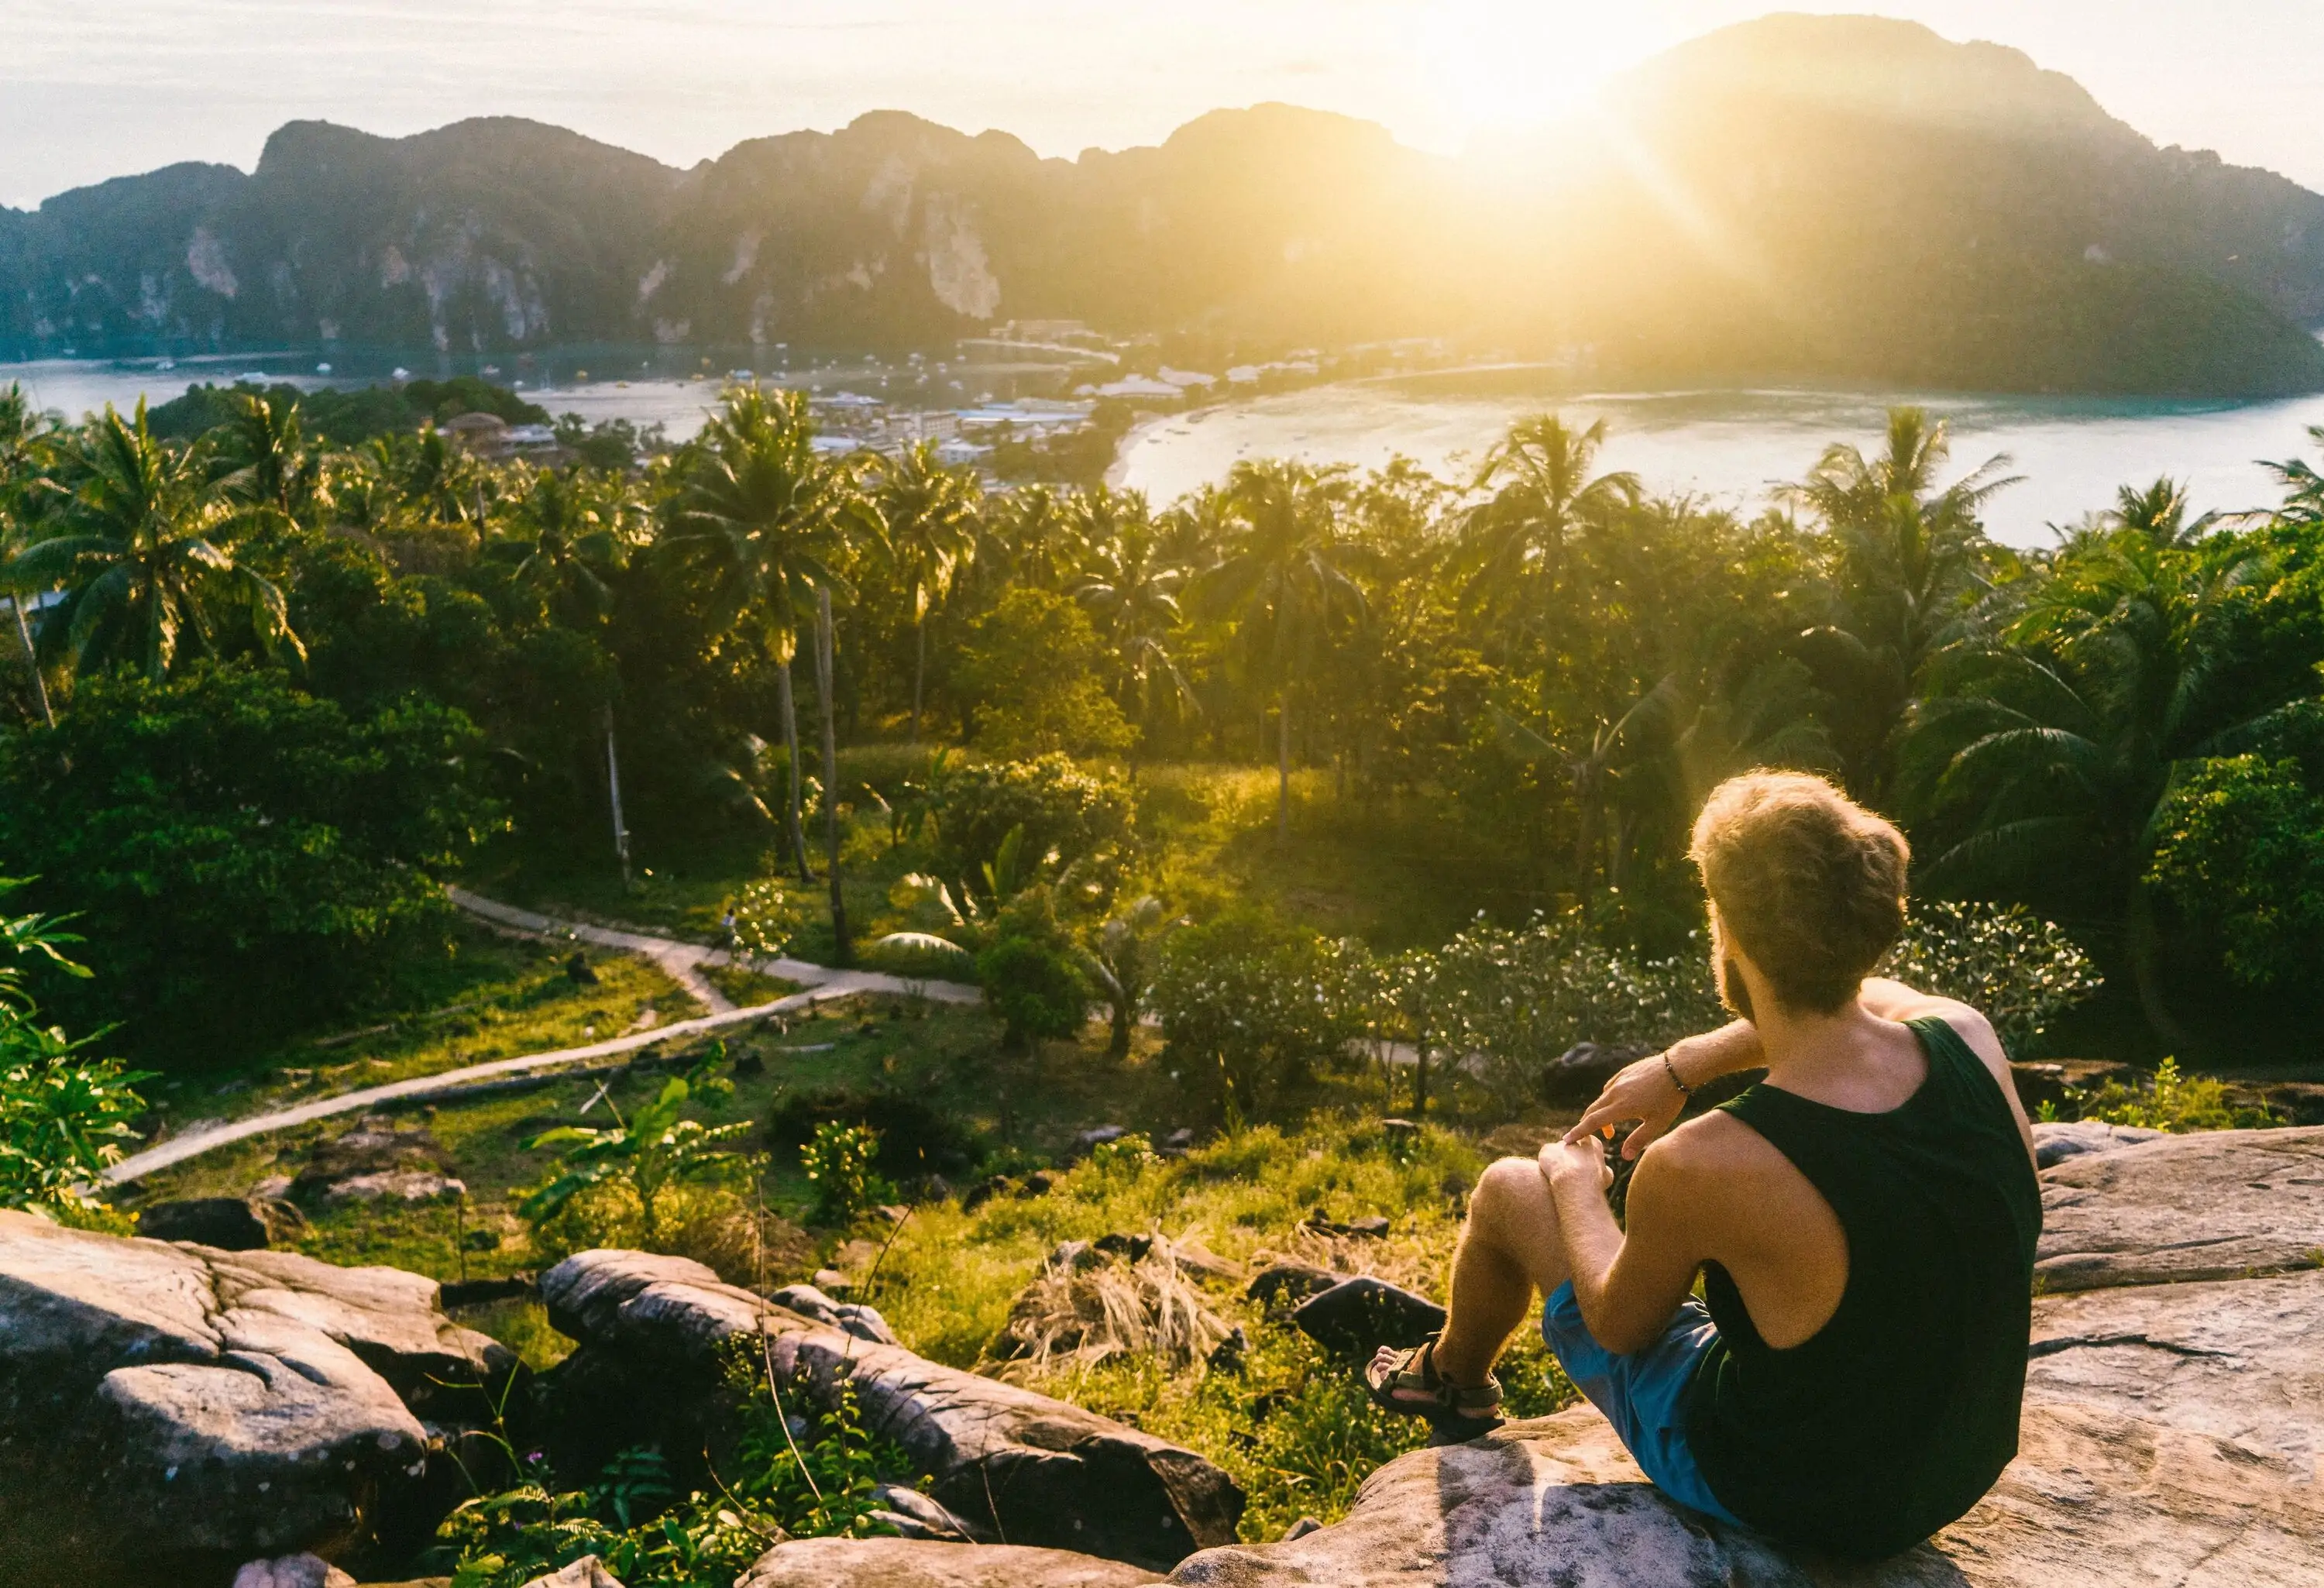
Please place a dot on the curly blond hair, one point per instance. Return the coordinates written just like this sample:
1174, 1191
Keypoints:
1808, 883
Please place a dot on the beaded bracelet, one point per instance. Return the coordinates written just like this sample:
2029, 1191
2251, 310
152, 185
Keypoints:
1672, 1070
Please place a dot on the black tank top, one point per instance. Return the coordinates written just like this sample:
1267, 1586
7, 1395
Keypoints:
1896, 1416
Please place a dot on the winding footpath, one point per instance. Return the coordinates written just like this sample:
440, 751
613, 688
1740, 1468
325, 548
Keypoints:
683, 963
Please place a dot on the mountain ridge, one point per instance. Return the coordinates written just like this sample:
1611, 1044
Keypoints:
1848, 198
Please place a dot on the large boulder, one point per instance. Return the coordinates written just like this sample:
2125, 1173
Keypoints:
2214, 1206
2094, 1499
656, 1334
2243, 1359
907, 1562
171, 1412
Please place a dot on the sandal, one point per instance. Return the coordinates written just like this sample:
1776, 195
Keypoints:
1406, 1382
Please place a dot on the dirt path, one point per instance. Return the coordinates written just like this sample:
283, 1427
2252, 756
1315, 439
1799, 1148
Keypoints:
682, 962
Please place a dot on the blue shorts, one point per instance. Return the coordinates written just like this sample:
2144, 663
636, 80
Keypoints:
1643, 1394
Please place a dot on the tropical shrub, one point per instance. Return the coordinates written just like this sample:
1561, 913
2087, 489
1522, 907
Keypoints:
240, 857
1518, 999
1030, 670
915, 1139
64, 1115
1081, 818
2169, 1101
2241, 854
1035, 987
838, 1162
648, 1155
767, 916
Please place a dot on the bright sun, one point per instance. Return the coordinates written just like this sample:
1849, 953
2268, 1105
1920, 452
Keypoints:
1525, 61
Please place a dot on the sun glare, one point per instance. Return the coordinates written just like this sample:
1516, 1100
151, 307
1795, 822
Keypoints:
1502, 62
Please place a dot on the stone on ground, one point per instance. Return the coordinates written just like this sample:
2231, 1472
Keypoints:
292, 1571
2218, 1204
1017, 1466
170, 1412
907, 1562
1361, 1315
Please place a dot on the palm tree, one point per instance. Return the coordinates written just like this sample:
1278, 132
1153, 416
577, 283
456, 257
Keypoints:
566, 548
1031, 537
1132, 594
767, 518
1906, 559
264, 448
143, 556
2159, 513
1514, 543
930, 511
2304, 486
2052, 751
23, 436
1285, 581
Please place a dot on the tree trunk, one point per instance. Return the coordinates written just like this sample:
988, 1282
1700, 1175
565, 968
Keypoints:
791, 747
1283, 768
2146, 973
843, 953
919, 669
31, 661
613, 789
1420, 1073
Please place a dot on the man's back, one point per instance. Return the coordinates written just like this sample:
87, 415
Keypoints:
1870, 1273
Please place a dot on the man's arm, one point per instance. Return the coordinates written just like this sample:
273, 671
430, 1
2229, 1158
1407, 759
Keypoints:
1628, 1284
1647, 1091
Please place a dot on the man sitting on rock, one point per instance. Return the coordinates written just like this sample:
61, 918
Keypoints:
1863, 1219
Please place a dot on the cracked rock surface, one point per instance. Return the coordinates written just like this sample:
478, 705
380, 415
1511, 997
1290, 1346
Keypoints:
2219, 1204
169, 1412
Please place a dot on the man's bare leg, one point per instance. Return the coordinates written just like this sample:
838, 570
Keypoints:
1508, 1250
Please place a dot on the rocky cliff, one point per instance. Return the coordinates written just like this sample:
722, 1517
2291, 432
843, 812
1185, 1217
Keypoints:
1839, 197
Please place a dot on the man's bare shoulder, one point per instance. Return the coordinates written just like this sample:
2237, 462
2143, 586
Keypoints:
1714, 1148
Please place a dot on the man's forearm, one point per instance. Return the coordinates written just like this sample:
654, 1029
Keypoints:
1591, 1237
1734, 1045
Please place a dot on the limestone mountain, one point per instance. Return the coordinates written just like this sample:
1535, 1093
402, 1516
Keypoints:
1801, 197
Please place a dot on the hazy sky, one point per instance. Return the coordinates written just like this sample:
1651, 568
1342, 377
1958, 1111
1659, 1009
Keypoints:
93, 88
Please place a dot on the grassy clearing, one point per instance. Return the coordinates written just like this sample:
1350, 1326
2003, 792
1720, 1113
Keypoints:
508, 997
1291, 1426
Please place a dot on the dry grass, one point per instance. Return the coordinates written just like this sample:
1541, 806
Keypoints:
1089, 1305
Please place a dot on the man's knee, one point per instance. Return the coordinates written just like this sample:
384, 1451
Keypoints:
1510, 1187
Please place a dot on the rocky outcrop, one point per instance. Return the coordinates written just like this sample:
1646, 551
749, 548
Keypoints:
2214, 1206
906, 1563
171, 1412
2056, 1141
655, 1332
2243, 1359
2094, 1499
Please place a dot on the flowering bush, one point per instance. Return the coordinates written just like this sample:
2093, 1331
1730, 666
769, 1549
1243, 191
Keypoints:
766, 919
2019, 971
1516, 999
1250, 1006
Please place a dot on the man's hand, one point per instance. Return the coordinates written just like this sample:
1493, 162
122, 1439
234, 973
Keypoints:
1576, 1162
1643, 1092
